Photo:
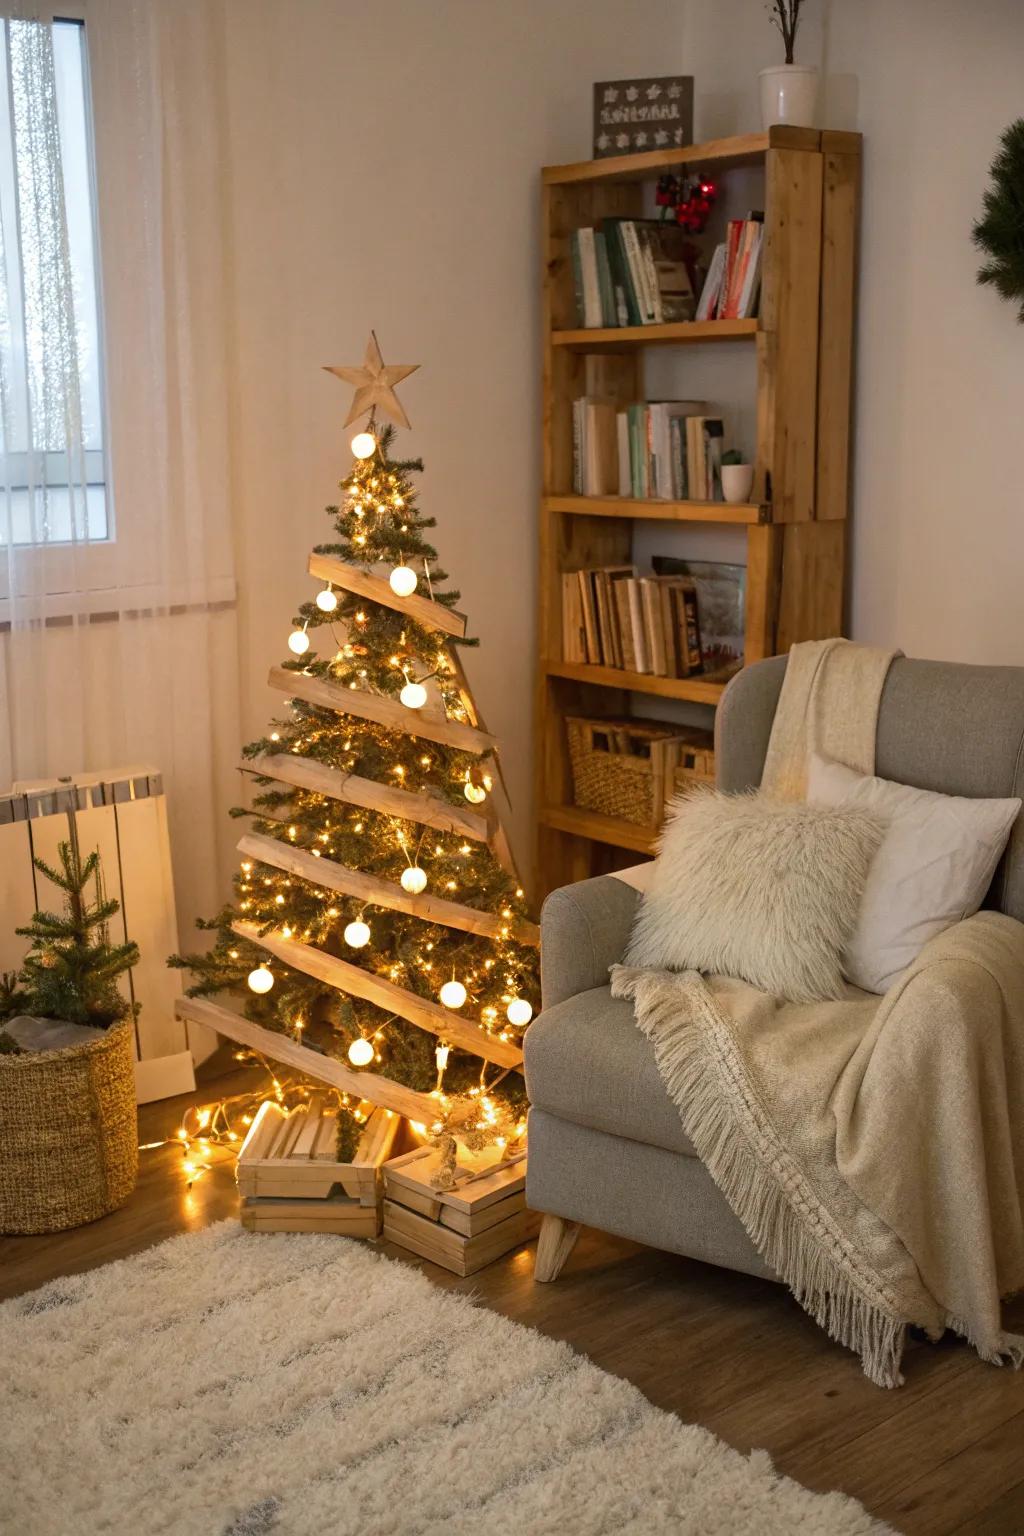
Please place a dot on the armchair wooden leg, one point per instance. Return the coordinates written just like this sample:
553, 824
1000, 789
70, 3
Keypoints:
554, 1245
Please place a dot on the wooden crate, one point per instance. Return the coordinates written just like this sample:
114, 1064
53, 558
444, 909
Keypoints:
482, 1216
290, 1178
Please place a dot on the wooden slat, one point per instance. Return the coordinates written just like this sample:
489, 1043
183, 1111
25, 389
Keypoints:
422, 807
324, 1069
364, 584
700, 690
721, 154
841, 171
381, 711
764, 557
653, 510
382, 893
679, 333
788, 370
353, 980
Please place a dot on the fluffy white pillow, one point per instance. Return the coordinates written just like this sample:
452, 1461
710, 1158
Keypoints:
934, 866
759, 888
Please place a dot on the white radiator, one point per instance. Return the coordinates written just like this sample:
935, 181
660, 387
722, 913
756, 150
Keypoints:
124, 815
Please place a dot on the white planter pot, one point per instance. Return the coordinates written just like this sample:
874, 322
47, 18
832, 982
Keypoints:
737, 480
789, 94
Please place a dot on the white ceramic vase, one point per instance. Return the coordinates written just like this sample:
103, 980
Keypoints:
789, 94
737, 480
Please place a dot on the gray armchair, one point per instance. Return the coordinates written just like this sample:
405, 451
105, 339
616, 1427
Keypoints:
607, 1148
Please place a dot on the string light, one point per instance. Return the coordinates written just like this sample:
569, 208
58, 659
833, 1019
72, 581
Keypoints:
414, 880
261, 979
361, 1052
519, 1012
453, 994
402, 580
364, 445
357, 934
298, 641
474, 793
413, 696
326, 600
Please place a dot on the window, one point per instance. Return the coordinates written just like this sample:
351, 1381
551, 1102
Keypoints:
54, 483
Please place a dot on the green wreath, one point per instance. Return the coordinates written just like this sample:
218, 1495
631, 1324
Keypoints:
999, 233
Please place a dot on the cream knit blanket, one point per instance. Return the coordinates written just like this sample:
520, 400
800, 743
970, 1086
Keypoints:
873, 1148
829, 705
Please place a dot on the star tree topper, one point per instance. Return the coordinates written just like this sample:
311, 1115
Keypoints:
374, 384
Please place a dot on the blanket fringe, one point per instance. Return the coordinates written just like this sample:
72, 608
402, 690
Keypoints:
793, 1242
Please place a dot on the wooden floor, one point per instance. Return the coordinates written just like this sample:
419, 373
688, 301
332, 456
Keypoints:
944, 1453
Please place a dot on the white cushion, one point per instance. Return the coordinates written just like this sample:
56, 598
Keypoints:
934, 866
763, 889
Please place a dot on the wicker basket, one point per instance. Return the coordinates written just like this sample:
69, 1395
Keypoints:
69, 1146
619, 767
696, 767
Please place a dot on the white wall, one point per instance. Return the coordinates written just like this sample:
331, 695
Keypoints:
938, 531
384, 172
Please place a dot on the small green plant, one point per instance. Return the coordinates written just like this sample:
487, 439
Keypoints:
733, 456
999, 233
71, 970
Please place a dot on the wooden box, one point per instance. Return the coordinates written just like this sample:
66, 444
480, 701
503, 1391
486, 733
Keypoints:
290, 1179
482, 1216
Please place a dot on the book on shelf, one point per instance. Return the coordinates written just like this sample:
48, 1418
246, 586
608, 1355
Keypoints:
633, 272
732, 286
660, 450
613, 617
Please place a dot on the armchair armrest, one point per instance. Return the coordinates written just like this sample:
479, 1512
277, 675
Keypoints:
584, 928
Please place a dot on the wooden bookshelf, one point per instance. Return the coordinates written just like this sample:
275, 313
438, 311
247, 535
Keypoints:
795, 524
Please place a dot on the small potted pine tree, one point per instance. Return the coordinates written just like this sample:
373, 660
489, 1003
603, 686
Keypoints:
68, 1127
789, 91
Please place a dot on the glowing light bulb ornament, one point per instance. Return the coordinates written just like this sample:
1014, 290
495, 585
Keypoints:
364, 445
413, 696
475, 793
326, 600
414, 879
260, 980
357, 934
453, 994
298, 641
519, 1012
402, 581
361, 1052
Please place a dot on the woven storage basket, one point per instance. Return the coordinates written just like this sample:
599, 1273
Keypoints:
615, 767
69, 1145
696, 767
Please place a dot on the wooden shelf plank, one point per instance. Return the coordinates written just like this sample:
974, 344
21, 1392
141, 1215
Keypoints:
381, 893
325, 1069
420, 806
699, 690
742, 149
651, 509
601, 829
364, 584
387, 712
624, 337
352, 979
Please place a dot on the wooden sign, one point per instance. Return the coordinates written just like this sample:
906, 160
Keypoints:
632, 117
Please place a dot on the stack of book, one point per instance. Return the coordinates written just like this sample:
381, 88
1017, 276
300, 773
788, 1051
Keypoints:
668, 450
613, 617
732, 287
633, 272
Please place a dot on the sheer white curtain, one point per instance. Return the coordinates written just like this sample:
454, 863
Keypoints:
118, 643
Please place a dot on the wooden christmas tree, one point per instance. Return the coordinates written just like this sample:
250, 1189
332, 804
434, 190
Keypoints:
378, 918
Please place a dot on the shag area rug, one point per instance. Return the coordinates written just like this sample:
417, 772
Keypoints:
245, 1384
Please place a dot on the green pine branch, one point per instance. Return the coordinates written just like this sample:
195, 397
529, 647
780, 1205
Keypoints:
999, 233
